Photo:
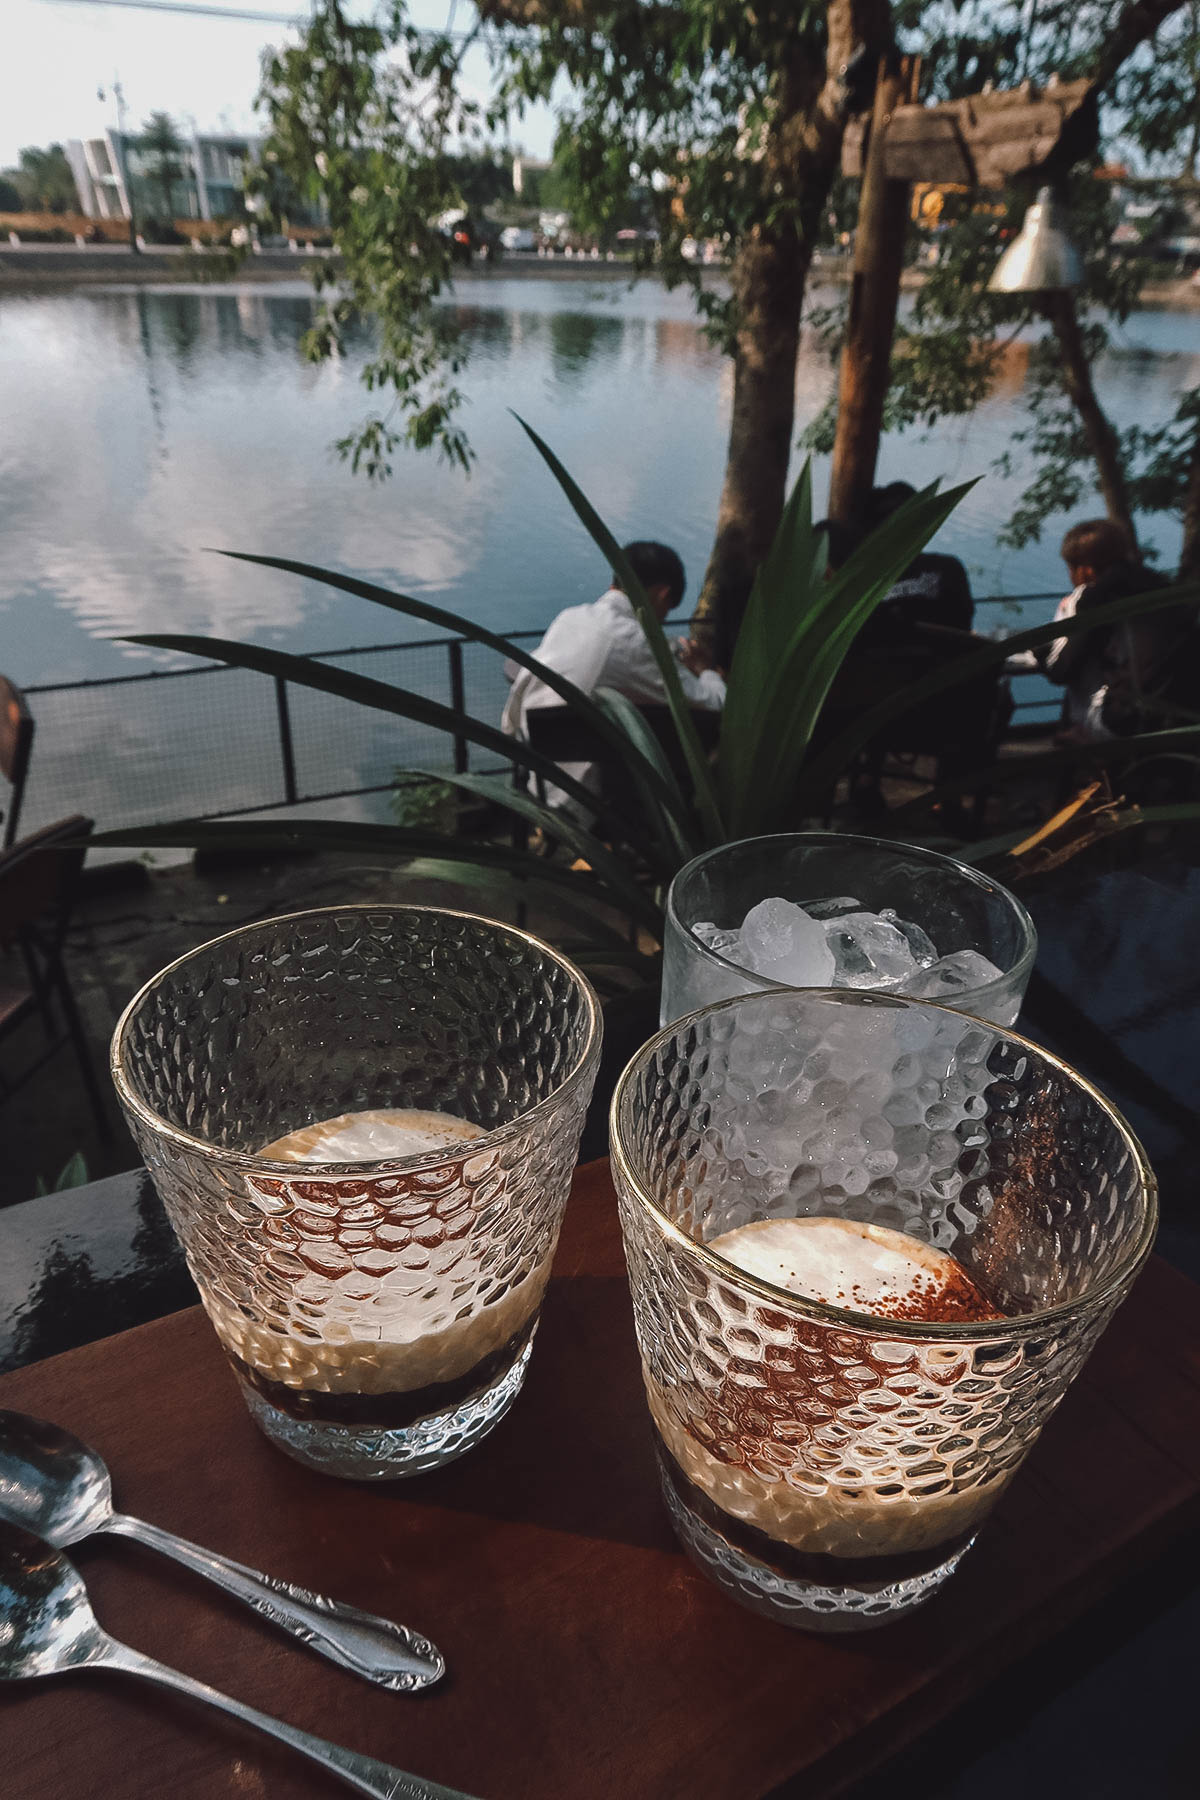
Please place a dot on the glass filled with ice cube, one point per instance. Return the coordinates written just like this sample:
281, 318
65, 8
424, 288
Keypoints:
821, 909
870, 1244
362, 1122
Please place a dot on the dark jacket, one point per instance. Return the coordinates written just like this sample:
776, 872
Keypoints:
933, 590
1131, 661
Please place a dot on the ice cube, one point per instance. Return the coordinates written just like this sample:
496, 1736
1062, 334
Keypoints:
959, 973
831, 909
869, 951
726, 940
781, 941
919, 942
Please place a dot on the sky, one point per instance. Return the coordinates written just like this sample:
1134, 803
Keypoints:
201, 70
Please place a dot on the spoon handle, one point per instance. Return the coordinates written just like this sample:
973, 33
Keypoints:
390, 1655
363, 1773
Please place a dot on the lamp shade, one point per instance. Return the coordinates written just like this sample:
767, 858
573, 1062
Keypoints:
1041, 258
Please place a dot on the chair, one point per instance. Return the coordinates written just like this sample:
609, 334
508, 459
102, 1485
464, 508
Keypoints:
16, 741
960, 727
38, 881
559, 733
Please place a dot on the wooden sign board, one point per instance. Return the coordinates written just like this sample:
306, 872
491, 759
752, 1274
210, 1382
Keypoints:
985, 140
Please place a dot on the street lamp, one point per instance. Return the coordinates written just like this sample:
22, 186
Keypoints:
1041, 258
122, 171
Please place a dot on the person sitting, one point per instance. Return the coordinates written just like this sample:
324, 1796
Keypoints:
933, 590
603, 644
1110, 674
923, 622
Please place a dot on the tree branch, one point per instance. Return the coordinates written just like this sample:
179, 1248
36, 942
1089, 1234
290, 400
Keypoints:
1135, 25
1077, 379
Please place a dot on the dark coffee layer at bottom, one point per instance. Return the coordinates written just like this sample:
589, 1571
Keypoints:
803, 1565
391, 1411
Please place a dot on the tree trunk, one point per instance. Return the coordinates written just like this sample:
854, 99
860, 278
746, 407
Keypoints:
1101, 438
865, 371
769, 275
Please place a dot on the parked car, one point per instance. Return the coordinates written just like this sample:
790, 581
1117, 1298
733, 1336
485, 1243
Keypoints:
470, 237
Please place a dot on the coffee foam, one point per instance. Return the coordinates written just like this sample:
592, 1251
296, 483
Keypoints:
374, 1136
361, 1363
866, 1269
863, 1268
411, 1331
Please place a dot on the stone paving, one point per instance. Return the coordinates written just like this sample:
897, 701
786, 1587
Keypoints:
124, 930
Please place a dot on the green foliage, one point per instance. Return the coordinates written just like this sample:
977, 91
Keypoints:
681, 113
422, 802
1163, 456
43, 181
73, 1174
657, 106
366, 120
1159, 96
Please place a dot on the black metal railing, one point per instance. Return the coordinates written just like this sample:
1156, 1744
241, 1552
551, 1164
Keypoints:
206, 748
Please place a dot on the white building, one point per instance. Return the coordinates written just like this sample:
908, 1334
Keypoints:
209, 185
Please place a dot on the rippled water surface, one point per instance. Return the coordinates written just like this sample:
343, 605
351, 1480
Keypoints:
142, 427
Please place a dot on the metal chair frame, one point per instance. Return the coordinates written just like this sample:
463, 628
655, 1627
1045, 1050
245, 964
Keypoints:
16, 743
39, 877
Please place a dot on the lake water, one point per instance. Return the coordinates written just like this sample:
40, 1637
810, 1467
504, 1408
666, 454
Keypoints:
144, 427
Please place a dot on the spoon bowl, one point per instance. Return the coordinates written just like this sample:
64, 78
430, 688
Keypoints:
47, 1627
48, 1624
50, 1482
59, 1488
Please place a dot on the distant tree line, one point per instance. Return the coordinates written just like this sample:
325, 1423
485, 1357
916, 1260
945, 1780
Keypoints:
41, 182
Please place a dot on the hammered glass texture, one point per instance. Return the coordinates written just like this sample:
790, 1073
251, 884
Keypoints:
958, 907
350, 1009
894, 1113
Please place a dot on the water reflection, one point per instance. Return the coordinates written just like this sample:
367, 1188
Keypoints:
147, 425
575, 338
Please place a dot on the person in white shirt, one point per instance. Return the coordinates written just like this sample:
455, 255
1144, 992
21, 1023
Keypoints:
603, 645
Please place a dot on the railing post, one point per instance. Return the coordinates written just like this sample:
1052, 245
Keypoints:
291, 793
458, 700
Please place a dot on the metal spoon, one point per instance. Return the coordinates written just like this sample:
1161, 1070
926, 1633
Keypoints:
54, 1485
49, 1628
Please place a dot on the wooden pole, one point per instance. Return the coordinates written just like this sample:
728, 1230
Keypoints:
874, 296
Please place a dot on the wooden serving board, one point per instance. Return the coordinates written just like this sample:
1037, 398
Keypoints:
586, 1656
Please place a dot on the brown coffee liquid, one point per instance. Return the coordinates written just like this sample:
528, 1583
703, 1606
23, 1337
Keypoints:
822, 1568
386, 1412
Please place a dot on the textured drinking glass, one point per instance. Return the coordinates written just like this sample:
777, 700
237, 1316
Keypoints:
379, 1316
959, 908
827, 1467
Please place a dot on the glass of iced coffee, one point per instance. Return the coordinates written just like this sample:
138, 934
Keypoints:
870, 1243
822, 909
362, 1122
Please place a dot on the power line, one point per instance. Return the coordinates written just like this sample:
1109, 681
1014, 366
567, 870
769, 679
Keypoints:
198, 10
190, 6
